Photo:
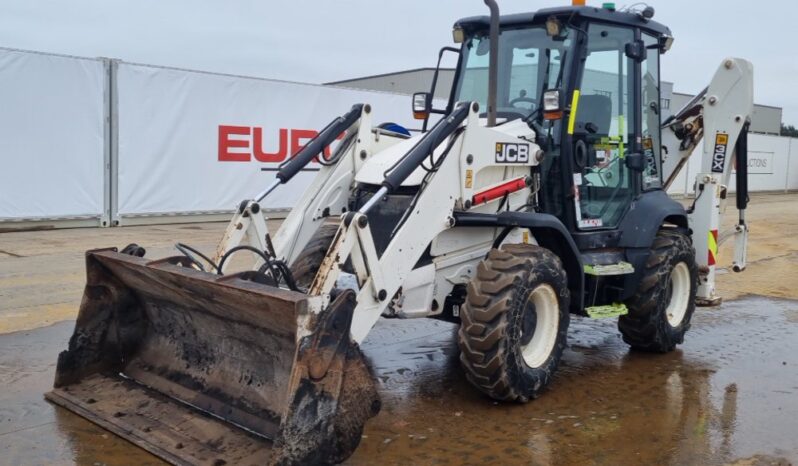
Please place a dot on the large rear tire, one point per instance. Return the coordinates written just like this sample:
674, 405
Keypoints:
514, 322
309, 260
661, 309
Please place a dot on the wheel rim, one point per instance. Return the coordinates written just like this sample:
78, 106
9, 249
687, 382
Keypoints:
546, 307
679, 290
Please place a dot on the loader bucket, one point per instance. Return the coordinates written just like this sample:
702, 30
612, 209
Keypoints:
199, 368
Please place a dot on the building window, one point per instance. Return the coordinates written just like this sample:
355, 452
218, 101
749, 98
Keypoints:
665, 104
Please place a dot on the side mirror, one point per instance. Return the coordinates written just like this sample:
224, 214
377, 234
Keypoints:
636, 50
553, 104
422, 103
635, 162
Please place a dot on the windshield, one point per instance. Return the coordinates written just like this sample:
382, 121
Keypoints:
529, 63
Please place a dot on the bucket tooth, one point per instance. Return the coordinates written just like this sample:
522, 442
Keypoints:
203, 369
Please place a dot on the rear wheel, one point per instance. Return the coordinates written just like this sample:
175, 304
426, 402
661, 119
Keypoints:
661, 309
514, 322
309, 260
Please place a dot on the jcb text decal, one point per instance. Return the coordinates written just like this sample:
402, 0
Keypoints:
512, 153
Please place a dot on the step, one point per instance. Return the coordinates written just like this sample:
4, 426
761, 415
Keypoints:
621, 268
607, 311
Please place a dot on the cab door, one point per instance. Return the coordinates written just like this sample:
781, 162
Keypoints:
602, 125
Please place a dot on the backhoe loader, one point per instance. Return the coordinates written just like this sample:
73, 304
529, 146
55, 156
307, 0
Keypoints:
539, 192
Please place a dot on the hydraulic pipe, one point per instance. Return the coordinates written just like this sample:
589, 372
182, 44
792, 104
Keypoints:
493, 60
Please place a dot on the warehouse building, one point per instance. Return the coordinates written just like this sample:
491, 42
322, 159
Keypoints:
766, 120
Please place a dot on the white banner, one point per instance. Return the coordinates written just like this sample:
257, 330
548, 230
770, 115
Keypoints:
192, 142
52, 144
760, 163
768, 163
771, 164
201, 142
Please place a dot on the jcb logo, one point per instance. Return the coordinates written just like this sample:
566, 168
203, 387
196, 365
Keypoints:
719, 157
512, 153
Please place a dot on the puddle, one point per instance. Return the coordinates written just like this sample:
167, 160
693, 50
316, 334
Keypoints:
729, 395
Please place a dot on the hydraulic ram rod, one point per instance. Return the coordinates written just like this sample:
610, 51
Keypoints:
268, 190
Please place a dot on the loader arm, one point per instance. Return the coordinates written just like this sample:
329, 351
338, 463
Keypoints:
720, 115
326, 196
381, 276
248, 222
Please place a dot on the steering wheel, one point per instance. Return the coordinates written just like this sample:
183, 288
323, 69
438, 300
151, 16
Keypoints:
524, 99
604, 171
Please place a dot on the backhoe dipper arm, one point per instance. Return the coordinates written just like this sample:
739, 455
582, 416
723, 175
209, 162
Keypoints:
721, 115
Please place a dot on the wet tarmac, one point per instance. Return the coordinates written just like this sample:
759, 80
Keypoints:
729, 395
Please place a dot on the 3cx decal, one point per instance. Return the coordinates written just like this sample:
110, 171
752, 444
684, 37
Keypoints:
507, 152
719, 157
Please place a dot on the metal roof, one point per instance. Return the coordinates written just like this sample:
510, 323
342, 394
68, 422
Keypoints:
623, 18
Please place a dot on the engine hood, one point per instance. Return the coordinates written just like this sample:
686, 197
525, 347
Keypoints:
373, 171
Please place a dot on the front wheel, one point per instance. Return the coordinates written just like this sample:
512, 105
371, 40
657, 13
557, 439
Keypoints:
309, 260
514, 322
661, 309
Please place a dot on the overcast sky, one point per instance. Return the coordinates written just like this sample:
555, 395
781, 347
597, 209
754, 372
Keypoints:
325, 40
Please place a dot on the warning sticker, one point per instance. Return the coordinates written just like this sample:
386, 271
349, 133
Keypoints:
591, 223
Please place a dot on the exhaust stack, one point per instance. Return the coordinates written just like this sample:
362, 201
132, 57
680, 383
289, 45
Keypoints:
493, 62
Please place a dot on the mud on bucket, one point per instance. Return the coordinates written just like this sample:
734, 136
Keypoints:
199, 368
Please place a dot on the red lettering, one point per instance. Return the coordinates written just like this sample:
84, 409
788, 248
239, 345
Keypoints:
269, 157
225, 143
298, 137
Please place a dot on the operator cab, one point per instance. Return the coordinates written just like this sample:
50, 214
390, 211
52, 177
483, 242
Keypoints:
586, 80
